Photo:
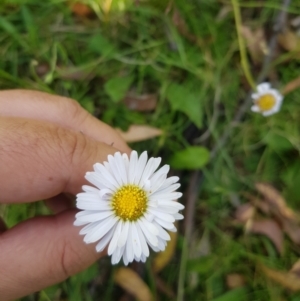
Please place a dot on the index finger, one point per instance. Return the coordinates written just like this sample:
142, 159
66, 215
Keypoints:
60, 110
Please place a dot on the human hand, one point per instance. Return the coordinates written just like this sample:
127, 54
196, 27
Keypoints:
47, 143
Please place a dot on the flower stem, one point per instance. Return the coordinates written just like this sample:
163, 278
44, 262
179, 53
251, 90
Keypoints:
242, 47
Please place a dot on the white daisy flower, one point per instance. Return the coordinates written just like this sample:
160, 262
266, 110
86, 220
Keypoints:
267, 101
130, 207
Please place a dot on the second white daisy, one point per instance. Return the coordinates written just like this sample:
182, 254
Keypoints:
267, 101
130, 208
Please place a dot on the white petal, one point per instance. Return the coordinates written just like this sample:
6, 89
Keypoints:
167, 189
114, 169
151, 166
161, 245
164, 216
136, 242
88, 228
175, 204
149, 216
87, 188
88, 205
132, 166
163, 234
165, 197
114, 241
263, 87
121, 167
116, 256
169, 181
151, 238
124, 235
172, 229
106, 174
105, 240
99, 181
164, 224
129, 246
169, 210
105, 192
145, 249
150, 227
157, 183
178, 216
125, 259
143, 258
92, 217
163, 170
147, 186
255, 109
126, 164
140, 167
100, 230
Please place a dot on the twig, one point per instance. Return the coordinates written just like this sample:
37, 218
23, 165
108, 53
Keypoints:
192, 196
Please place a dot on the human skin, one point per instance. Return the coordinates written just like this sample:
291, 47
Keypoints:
47, 144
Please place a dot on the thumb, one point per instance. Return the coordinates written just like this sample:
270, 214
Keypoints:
39, 160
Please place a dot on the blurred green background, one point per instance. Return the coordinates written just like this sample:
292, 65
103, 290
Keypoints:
175, 67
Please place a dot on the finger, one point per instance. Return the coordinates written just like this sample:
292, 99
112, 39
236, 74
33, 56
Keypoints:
40, 160
60, 203
41, 252
60, 110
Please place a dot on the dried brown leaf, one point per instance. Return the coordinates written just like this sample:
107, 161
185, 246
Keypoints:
269, 228
244, 212
74, 73
296, 268
289, 40
141, 103
288, 280
81, 9
256, 42
292, 229
291, 86
163, 258
132, 283
258, 203
235, 280
275, 199
139, 133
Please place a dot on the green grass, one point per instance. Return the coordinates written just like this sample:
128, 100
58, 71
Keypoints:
196, 73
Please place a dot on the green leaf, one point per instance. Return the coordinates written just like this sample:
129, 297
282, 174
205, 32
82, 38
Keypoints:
12, 31
184, 100
117, 87
201, 265
30, 25
278, 143
193, 157
101, 45
238, 294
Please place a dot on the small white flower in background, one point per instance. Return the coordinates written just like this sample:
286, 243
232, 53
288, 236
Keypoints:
130, 208
267, 101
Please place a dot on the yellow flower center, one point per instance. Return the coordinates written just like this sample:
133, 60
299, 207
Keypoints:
129, 202
266, 102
